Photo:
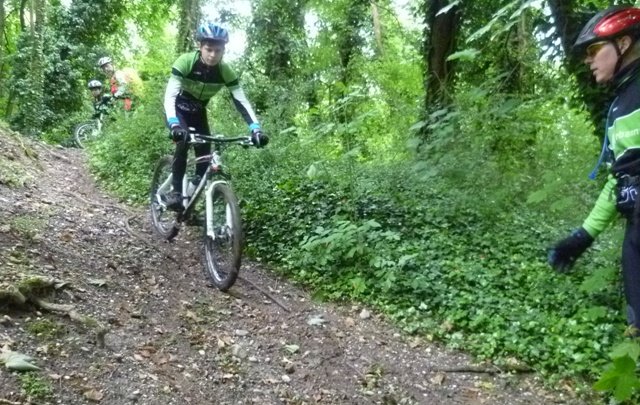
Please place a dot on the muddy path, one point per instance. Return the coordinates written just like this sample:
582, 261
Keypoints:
172, 339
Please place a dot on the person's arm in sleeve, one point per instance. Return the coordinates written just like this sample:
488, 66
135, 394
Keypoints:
564, 253
604, 211
239, 98
174, 86
122, 84
170, 94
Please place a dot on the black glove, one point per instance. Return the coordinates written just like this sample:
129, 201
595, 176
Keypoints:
178, 134
564, 254
258, 138
106, 99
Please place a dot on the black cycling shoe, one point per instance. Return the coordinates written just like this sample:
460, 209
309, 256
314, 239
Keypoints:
173, 201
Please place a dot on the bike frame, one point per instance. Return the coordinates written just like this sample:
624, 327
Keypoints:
215, 169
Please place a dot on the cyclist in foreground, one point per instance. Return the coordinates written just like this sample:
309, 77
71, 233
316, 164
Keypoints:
195, 78
610, 47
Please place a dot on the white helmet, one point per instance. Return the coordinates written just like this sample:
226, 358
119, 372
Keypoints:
94, 84
103, 61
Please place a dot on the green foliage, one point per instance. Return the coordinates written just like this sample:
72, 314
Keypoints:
45, 329
91, 21
445, 233
620, 376
35, 386
124, 157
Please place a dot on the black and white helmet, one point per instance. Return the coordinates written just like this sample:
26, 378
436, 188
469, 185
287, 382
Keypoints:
94, 84
103, 61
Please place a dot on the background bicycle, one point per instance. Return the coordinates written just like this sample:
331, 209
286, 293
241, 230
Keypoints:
222, 230
88, 130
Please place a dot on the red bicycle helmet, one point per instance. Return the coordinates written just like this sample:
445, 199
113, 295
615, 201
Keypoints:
608, 24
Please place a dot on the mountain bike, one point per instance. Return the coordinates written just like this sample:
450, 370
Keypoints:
88, 131
222, 239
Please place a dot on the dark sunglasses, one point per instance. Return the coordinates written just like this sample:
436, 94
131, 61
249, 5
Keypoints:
594, 48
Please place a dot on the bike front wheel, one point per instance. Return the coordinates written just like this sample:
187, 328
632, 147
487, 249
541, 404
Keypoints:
223, 249
163, 220
85, 132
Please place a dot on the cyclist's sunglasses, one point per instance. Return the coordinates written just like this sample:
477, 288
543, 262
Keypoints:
594, 48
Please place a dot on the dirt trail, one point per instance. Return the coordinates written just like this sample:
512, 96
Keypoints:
174, 340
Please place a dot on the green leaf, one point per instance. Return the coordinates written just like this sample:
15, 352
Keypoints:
625, 386
466, 54
620, 378
629, 348
312, 171
418, 125
607, 381
17, 361
537, 196
292, 348
445, 10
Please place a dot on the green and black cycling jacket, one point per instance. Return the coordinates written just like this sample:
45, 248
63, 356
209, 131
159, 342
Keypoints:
193, 79
623, 132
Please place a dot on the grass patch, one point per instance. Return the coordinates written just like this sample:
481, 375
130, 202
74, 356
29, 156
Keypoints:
27, 227
45, 329
35, 386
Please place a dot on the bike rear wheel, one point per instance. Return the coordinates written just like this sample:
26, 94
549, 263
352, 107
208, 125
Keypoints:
222, 252
163, 220
85, 132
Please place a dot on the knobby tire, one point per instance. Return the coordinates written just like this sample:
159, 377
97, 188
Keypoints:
222, 255
84, 132
163, 220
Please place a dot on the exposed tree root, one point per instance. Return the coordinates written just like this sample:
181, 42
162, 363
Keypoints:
31, 290
100, 330
7, 402
484, 369
271, 297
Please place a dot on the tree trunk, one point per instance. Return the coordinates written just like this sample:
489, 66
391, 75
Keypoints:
31, 102
440, 42
23, 5
189, 18
2, 17
349, 47
377, 27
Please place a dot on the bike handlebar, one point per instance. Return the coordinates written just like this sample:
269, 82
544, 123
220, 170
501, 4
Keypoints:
242, 140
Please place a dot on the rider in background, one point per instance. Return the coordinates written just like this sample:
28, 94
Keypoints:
610, 47
101, 102
124, 83
195, 78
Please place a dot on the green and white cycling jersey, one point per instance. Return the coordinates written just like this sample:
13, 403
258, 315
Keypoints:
623, 133
193, 79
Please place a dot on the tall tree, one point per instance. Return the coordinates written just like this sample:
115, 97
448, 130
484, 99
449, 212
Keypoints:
189, 17
2, 17
442, 26
31, 91
277, 36
350, 45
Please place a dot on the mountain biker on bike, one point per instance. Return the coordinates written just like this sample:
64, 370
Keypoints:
610, 46
195, 78
101, 102
124, 84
